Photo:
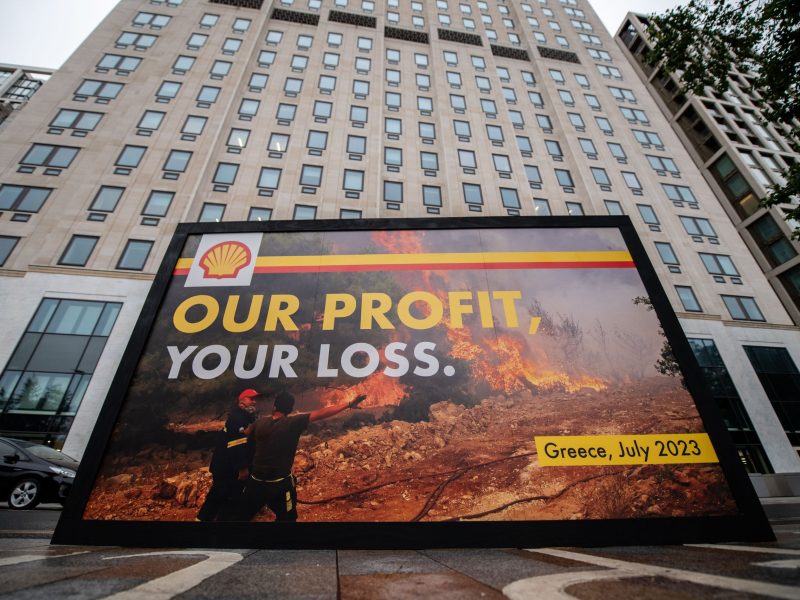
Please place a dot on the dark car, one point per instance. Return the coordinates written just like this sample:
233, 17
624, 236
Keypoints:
31, 473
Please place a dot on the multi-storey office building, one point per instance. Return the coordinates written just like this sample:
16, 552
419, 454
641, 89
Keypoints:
740, 155
331, 109
17, 85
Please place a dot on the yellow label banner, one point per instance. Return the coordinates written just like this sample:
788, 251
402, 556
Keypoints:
645, 449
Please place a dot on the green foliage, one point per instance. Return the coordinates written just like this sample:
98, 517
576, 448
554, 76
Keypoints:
702, 40
666, 364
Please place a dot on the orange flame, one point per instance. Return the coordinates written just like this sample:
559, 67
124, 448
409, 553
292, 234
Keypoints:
501, 362
379, 389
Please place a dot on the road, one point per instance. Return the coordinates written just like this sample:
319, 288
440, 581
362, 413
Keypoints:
32, 569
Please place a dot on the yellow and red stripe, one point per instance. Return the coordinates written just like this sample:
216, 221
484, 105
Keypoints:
613, 259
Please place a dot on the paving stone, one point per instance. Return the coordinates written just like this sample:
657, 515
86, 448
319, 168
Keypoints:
496, 567
280, 574
441, 586
369, 562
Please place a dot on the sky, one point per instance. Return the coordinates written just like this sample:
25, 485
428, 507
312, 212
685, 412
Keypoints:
43, 33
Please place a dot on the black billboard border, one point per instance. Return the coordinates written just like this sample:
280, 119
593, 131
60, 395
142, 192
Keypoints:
750, 525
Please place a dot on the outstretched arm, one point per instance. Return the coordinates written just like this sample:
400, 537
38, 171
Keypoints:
329, 411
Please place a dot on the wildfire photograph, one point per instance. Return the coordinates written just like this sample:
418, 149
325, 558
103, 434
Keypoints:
466, 346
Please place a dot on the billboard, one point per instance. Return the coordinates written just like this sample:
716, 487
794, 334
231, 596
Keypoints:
420, 383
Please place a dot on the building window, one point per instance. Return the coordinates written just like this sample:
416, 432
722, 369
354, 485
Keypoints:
748, 446
241, 25
432, 196
167, 90
248, 108
533, 176
772, 241
130, 156
604, 125
50, 369
121, 64
648, 214
718, 264
270, 178
23, 198
781, 381
194, 125
208, 95
601, 177
135, 254
225, 174
220, 69
564, 178
663, 165
466, 159
322, 110
317, 140
679, 194
177, 161
346, 213
688, 299
46, 155
278, 143
286, 113
510, 198
698, 227
211, 212
574, 209
541, 207
139, 41
258, 81
304, 212
391, 156
78, 250
209, 20
237, 138
231, 46
327, 84
153, 20
158, 204
392, 191
151, 120
266, 58
353, 181
632, 181
292, 86
667, 254
648, 138
743, 308
617, 152
7, 245
311, 175
472, 194
429, 161
524, 145
613, 207
501, 163
107, 198
259, 214
462, 130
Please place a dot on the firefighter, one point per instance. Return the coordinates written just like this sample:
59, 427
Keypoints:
275, 437
229, 463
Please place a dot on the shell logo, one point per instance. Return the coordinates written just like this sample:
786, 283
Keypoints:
225, 260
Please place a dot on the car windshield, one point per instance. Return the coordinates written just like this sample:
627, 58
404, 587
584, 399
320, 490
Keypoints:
43, 451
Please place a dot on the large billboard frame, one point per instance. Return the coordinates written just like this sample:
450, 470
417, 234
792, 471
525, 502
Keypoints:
750, 524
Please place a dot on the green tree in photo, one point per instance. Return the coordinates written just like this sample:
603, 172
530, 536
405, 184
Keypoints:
704, 39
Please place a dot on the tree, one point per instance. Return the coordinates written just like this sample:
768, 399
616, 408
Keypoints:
702, 40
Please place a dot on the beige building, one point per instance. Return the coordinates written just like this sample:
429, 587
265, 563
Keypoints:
231, 110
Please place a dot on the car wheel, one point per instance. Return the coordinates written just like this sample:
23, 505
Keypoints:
25, 494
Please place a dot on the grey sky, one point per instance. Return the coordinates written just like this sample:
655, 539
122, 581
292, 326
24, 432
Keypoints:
43, 33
